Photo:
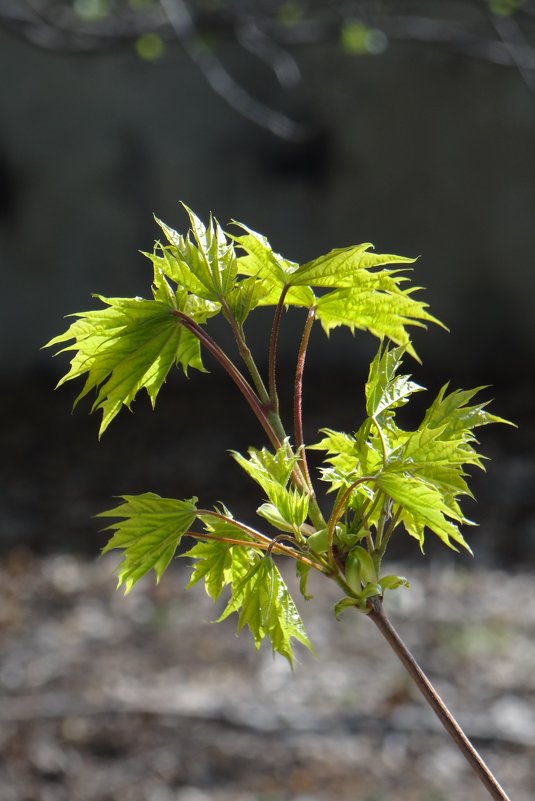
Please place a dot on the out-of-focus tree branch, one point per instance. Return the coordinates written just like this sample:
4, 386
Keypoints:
501, 32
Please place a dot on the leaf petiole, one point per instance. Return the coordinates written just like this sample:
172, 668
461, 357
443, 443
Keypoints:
259, 540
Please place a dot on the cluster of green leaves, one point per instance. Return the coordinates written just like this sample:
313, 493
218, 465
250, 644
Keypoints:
384, 478
149, 529
133, 343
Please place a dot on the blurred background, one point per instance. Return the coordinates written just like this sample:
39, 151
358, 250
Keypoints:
321, 124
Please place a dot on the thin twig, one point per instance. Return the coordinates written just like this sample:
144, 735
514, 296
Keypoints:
314, 510
261, 540
514, 41
377, 615
298, 395
182, 22
381, 547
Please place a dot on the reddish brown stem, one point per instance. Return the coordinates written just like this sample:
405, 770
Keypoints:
260, 540
240, 381
434, 700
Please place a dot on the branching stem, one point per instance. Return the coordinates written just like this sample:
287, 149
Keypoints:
260, 540
315, 512
383, 442
272, 361
270, 422
241, 382
381, 547
298, 395
246, 355
337, 513
378, 616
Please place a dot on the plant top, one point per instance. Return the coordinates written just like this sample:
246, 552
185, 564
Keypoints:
384, 480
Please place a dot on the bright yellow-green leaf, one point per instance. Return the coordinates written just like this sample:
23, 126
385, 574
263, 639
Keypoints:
424, 503
270, 270
384, 389
266, 467
348, 267
208, 260
350, 456
264, 605
272, 472
129, 345
451, 412
383, 314
148, 531
260, 260
217, 562
169, 262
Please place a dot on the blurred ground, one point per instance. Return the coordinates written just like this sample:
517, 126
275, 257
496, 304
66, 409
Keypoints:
106, 698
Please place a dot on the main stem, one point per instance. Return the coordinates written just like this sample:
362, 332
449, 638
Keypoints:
314, 510
462, 742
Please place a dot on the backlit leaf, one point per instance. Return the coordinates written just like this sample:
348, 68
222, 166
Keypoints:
383, 314
384, 389
425, 504
148, 531
272, 472
208, 260
270, 270
264, 604
217, 562
346, 267
128, 346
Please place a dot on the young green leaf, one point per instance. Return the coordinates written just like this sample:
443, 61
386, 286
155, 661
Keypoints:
392, 582
213, 560
128, 346
270, 270
272, 472
425, 505
264, 605
383, 314
302, 571
346, 267
270, 513
148, 530
344, 603
266, 467
384, 389
245, 296
351, 457
438, 451
260, 261
169, 263
210, 259
451, 412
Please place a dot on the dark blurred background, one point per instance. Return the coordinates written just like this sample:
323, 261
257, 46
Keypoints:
320, 124
410, 125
